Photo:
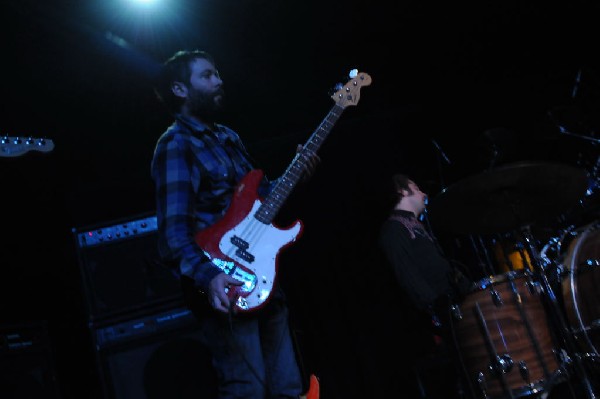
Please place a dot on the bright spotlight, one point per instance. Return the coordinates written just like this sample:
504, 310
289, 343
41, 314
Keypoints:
144, 2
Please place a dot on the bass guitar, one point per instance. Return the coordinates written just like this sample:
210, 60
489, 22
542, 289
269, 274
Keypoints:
244, 243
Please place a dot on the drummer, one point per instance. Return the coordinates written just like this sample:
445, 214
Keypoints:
428, 282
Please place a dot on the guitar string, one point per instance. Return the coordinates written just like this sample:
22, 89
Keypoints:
250, 232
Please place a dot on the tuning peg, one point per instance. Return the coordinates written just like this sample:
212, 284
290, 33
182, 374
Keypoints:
336, 88
353, 73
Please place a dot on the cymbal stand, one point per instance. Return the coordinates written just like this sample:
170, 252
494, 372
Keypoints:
565, 332
564, 131
504, 250
594, 178
479, 246
518, 246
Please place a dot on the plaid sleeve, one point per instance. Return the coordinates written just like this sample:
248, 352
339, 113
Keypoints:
175, 202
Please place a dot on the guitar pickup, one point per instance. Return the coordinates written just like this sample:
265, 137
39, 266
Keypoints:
242, 247
245, 255
238, 242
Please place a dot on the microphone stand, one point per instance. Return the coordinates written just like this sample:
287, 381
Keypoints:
440, 155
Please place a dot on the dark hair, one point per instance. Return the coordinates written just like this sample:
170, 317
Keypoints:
400, 182
395, 184
177, 69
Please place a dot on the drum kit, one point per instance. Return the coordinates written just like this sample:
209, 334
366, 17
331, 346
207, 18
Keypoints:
532, 321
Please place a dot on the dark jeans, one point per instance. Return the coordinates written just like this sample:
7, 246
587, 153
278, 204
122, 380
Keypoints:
253, 354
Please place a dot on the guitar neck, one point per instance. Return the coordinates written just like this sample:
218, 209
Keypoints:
247, 250
275, 200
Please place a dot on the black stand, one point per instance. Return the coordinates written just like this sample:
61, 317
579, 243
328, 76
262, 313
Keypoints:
572, 356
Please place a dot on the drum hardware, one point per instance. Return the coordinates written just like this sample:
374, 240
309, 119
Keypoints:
519, 249
563, 357
590, 263
499, 365
550, 251
486, 263
455, 312
524, 255
592, 357
572, 115
502, 364
511, 253
594, 179
534, 287
482, 385
551, 259
513, 197
557, 315
581, 298
524, 371
498, 254
513, 355
496, 298
519, 304
588, 207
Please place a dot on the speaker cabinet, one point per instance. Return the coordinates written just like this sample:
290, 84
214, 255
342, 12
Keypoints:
159, 356
120, 268
27, 369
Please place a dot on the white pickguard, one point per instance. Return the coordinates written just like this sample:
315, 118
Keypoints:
264, 243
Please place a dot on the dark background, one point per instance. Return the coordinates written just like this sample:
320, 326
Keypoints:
79, 73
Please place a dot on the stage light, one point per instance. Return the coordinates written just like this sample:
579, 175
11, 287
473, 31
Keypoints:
144, 2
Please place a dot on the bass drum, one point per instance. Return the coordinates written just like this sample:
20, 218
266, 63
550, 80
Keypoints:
581, 289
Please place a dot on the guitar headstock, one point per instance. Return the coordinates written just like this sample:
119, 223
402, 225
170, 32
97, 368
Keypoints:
17, 146
349, 94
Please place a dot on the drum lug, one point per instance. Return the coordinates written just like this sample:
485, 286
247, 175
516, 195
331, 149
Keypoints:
590, 263
534, 288
524, 371
562, 272
502, 365
456, 312
482, 384
593, 357
496, 298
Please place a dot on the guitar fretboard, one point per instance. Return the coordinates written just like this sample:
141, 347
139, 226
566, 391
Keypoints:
275, 200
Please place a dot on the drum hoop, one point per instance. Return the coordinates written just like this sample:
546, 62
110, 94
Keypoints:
573, 267
485, 282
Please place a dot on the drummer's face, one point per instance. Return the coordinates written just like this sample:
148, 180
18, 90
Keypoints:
418, 195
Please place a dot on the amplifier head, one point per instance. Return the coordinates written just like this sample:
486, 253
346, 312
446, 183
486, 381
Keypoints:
121, 268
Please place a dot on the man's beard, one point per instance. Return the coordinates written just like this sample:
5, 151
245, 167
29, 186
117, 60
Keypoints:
206, 106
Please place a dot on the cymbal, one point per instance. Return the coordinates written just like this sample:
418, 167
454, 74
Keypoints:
508, 197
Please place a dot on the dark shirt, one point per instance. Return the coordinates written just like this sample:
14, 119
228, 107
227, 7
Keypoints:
422, 271
195, 171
